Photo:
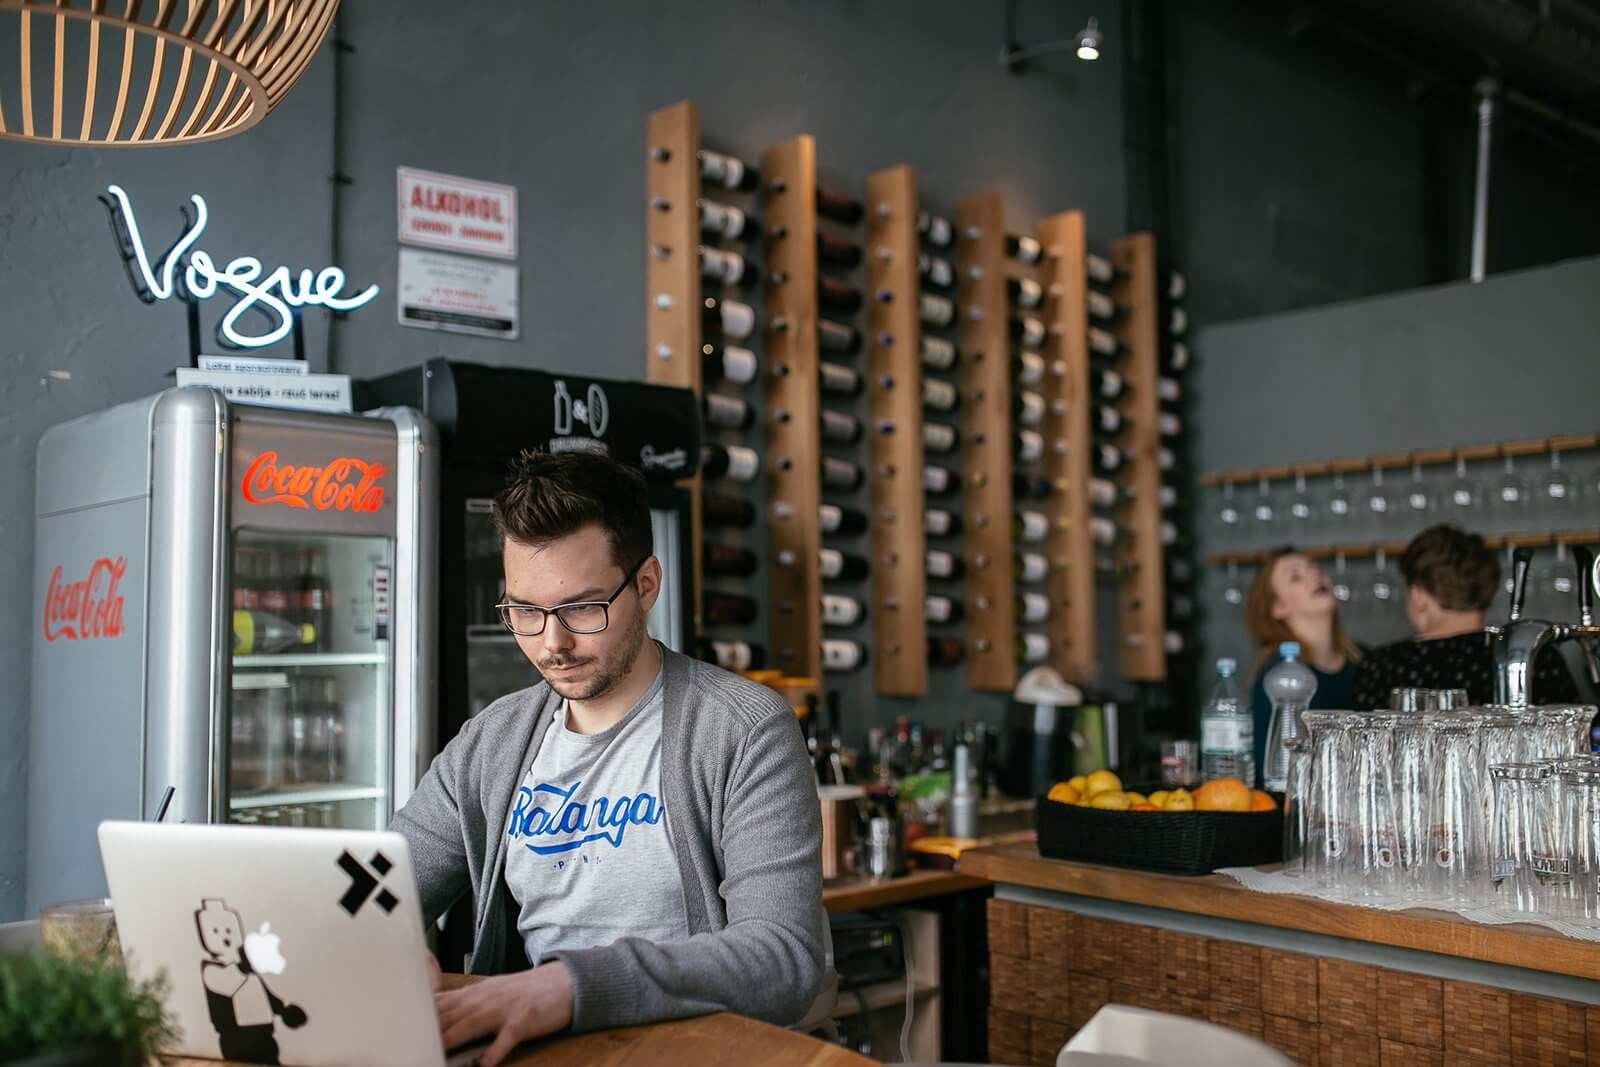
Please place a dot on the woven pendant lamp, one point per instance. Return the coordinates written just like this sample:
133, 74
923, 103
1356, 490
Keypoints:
131, 73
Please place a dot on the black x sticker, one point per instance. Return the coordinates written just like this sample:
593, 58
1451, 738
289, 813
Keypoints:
363, 884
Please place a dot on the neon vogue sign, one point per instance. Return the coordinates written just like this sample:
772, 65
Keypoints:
277, 295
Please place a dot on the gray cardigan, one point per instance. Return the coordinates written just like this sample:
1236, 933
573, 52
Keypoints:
741, 802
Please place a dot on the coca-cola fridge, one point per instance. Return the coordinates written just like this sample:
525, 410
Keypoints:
237, 602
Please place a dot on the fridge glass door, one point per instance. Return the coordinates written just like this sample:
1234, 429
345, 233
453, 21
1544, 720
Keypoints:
311, 695
495, 665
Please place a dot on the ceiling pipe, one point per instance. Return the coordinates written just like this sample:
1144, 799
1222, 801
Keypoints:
1487, 89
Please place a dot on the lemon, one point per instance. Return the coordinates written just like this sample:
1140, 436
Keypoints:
1136, 798
1103, 782
1079, 783
1110, 801
1180, 800
1159, 798
1062, 792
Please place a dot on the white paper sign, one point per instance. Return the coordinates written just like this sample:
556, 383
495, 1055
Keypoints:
440, 292
459, 214
254, 365
306, 392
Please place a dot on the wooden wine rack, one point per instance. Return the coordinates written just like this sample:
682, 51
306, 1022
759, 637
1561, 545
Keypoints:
986, 439
895, 471
1068, 403
794, 457
1141, 599
672, 278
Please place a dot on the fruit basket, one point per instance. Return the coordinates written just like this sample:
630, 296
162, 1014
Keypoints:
1172, 842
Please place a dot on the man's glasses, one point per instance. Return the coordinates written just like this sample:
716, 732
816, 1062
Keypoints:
579, 617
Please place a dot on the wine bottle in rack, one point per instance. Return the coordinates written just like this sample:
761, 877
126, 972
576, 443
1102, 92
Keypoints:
1027, 446
732, 655
839, 207
840, 474
1100, 270
729, 268
935, 229
727, 363
1030, 526
1027, 407
840, 655
838, 337
1106, 458
942, 564
841, 610
727, 412
1166, 460
730, 172
1102, 531
1107, 383
937, 522
1180, 606
1103, 492
939, 395
723, 220
836, 252
726, 509
840, 428
1028, 331
730, 461
938, 353
1032, 648
1179, 570
1176, 358
1026, 486
722, 609
1027, 368
945, 651
1177, 285
940, 437
1168, 391
727, 559
839, 380
1106, 419
837, 296
1177, 322
936, 271
1023, 249
836, 566
937, 479
1102, 307
845, 522
1168, 424
1030, 567
1033, 608
936, 311
1104, 343
727, 318
1171, 642
1024, 292
942, 609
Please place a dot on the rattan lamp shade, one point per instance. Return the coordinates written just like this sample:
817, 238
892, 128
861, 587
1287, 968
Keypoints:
130, 73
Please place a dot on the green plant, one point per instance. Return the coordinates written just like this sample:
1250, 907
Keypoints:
53, 1003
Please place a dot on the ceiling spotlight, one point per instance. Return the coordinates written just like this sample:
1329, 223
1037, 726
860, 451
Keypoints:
1089, 40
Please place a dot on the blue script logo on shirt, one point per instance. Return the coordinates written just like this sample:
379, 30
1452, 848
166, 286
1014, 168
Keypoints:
549, 812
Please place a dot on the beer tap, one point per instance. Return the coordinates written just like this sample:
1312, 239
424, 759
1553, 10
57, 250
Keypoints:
1583, 559
1518, 643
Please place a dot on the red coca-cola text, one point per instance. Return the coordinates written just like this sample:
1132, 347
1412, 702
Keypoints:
345, 484
89, 609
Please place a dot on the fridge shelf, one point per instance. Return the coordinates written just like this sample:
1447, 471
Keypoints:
323, 795
313, 659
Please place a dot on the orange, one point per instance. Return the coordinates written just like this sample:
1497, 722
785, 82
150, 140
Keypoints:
1222, 794
1260, 801
1146, 806
1064, 793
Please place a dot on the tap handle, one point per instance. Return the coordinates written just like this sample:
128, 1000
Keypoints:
1583, 560
1521, 558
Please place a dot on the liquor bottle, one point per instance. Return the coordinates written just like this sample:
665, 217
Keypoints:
1033, 608
945, 651
1106, 383
943, 609
730, 461
1028, 331
726, 509
939, 395
722, 220
730, 172
1101, 271
935, 229
1024, 249
935, 271
732, 655
936, 311
836, 566
840, 474
838, 207
941, 564
1027, 446
727, 412
721, 609
1028, 407
1031, 526
1029, 567
1027, 368
838, 379
258, 633
727, 559
836, 252
938, 353
940, 437
838, 337
1104, 342
314, 599
1024, 292
727, 363
1102, 307
936, 479
1177, 322
727, 318
841, 610
936, 522
837, 296
1030, 487
840, 428
1176, 360
846, 522
840, 655
1032, 648
729, 268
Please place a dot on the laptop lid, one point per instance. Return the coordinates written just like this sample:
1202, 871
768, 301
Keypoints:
292, 946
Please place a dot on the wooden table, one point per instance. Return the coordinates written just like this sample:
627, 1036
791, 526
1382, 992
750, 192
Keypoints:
705, 1041
862, 893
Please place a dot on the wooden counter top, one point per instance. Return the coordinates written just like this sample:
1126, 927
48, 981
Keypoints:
863, 893
1220, 897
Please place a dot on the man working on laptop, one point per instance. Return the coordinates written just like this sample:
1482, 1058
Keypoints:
642, 828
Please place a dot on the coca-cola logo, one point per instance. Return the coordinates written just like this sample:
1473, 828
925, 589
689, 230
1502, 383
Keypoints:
87, 609
345, 484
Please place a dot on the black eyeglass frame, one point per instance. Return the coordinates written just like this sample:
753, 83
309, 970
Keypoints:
505, 608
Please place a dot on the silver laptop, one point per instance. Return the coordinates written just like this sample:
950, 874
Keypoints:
297, 947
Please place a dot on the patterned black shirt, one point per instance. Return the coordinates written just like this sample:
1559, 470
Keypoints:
1465, 661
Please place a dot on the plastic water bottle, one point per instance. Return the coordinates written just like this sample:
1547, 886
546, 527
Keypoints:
1227, 733
1290, 686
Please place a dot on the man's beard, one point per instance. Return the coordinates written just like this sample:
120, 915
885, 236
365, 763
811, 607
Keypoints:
610, 669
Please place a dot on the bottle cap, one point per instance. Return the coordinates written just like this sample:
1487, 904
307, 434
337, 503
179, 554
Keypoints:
308, 633
1289, 650
1226, 666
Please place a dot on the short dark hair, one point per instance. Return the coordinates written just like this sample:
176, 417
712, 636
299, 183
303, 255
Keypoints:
553, 495
1457, 567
